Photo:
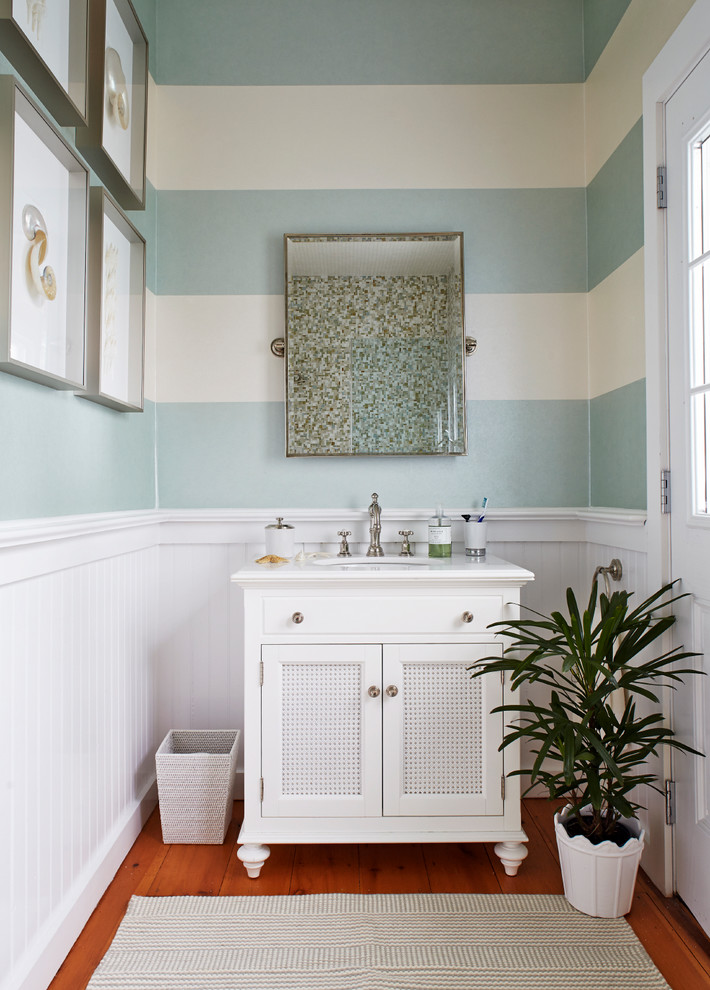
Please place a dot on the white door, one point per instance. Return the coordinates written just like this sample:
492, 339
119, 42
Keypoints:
688, 218
440, 742
321, 726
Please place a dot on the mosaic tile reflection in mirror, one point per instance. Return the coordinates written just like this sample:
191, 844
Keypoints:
374, 344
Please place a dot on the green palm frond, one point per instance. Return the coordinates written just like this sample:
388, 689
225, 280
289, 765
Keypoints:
584, 750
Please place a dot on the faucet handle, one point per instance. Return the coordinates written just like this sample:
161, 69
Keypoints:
344, 548
406, 550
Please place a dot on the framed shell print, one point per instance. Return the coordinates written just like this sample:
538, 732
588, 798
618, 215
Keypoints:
116, 318
47, 42
114, 140
44, 191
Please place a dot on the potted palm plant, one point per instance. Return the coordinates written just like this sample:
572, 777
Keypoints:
590, 742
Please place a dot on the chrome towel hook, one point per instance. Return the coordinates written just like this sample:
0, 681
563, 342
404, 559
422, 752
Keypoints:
613, 571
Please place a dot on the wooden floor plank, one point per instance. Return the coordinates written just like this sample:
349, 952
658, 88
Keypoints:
100, 929
161, 851
542, 813
682, 921
274, 879
678, 965
672, 938
393, 868
539, 873
459, 868
326, 869
194, 869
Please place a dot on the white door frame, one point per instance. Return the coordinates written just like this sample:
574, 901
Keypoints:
682, 52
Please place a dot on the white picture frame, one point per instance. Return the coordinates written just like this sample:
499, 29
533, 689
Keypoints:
116, 310
44, 191
114, 140
48, 45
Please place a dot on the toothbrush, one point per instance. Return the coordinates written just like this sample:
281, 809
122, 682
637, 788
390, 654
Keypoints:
483, 509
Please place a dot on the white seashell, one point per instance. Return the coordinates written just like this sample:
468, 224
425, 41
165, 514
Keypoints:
37, 250
32, 221
116, 88
49, 283
36, 10
44, 282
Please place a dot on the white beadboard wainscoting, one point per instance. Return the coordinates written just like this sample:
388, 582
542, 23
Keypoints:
115, 628
78, 614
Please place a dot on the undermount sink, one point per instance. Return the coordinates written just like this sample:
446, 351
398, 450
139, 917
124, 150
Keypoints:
371, 561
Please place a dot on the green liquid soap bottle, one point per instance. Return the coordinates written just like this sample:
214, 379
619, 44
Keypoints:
439, 535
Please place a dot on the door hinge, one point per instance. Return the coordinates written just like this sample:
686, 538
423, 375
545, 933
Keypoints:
261, 788
669, 788
661, 180
665, 491
261, 673
502, 787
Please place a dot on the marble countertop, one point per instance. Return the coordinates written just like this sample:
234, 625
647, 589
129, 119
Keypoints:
358, 571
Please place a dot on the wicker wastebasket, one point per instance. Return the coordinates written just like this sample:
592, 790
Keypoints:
196, 770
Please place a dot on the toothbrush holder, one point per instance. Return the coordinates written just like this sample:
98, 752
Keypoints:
475, 538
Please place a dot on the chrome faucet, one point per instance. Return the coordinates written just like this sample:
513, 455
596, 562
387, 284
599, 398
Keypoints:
375, 550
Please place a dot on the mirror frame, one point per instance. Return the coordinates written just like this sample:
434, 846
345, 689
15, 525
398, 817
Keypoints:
396, 236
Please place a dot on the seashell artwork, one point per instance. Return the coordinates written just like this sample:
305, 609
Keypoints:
116, 89
43, 281
110, 346
36, 10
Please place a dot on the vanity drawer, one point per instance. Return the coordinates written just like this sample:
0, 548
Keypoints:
398, 615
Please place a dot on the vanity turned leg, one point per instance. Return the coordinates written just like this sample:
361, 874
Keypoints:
511, 855
253, 856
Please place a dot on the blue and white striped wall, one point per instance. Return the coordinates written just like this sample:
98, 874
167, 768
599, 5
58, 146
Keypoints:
614, 166
333, 115
370, 117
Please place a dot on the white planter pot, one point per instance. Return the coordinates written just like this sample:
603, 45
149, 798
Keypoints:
599, 880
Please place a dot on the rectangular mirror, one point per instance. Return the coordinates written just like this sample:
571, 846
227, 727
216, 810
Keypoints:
374, 344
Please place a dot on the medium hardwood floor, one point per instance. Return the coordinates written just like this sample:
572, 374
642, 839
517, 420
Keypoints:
677, 945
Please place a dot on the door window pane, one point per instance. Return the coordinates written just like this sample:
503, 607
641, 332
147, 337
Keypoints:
701, 450
699, 321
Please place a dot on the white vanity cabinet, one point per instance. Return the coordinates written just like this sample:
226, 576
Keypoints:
362, 722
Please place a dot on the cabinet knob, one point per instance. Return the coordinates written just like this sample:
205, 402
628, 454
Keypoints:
392, 690
467, 617
297, 617
373, 691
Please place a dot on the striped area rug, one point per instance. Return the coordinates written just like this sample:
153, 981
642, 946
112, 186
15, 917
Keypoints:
372, 942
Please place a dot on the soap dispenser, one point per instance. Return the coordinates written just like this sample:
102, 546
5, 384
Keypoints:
439, 534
